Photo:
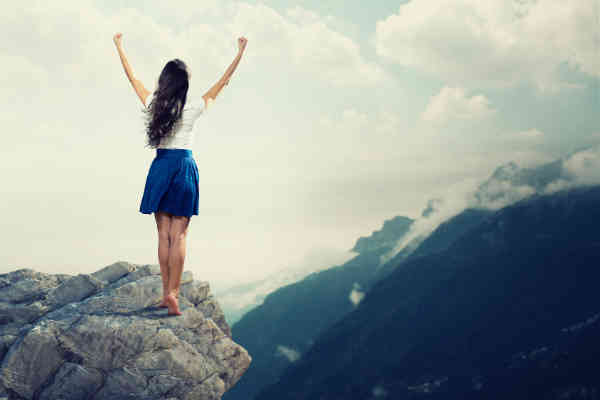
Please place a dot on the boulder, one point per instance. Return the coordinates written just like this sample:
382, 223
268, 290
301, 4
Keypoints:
102, 336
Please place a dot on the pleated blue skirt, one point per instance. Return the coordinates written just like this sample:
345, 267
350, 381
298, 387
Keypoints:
172, 184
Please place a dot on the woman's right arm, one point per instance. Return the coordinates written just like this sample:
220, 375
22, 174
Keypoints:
216, 88
139, 88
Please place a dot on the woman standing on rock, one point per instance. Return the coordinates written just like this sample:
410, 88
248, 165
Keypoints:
171, 189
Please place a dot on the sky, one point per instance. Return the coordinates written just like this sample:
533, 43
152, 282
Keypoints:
340, 115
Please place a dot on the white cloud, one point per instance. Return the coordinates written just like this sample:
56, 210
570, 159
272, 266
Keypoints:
493, 43
500, 193
506, 186
356, 136
356, 295
305, 16
52, 71
448, 202
559, 184
289, 353
584, 166
454, 103
581, 168
207, 33
305, 39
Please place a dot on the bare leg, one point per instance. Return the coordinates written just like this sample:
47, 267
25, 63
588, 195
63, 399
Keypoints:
177, 233
163, 224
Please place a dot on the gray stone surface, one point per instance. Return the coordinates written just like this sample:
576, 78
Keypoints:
102, 336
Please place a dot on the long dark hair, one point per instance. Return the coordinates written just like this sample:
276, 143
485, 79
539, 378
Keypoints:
167, 102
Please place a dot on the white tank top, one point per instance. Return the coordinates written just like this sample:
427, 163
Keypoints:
183, 136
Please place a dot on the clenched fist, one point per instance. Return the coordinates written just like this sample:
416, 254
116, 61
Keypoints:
117, 38
242, 41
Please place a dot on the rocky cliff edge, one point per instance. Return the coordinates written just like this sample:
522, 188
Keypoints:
102, 336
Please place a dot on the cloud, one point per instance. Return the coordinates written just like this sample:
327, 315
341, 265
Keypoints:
206, 32
453, 103
356, 295
560, 184
500, 193
443, 206
289, 353
306, 40
584, 166
493, 43
356, 136
508, 184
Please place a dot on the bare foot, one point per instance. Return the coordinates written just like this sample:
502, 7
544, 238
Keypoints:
163, 304
172, 304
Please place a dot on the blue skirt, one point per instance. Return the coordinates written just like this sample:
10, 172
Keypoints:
171, 184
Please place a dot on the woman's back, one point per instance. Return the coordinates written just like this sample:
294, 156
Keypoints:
183, 136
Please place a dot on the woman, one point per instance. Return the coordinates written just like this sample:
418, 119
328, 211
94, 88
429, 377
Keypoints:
171, 190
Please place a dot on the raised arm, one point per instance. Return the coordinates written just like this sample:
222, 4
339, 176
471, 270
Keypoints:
139, 88
216, 88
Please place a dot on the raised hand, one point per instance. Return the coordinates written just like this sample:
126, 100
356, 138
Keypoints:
117, 39
242, 41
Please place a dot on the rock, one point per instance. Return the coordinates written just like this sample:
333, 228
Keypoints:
113, 272
73, 381
74, 289
102, 336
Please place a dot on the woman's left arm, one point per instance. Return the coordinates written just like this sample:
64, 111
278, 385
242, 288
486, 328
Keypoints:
139, 88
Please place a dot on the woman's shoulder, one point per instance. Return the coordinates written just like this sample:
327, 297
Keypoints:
195, 104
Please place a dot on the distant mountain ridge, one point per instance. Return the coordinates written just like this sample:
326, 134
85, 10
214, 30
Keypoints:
510, 183
386, 237
507, 184
293, 315
237, 300
510, 310
287, 307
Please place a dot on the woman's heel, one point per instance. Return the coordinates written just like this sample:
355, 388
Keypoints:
172, 304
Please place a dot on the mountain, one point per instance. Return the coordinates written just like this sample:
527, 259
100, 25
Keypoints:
392, 230
237, 300
509, 310
445, 234
278, 331
102, 336
507, 184
442, 221
510, 183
